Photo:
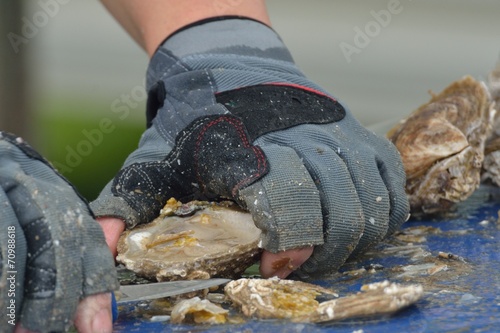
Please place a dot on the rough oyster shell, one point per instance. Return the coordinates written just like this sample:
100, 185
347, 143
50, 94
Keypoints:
206, 240
491, 165
295, 300
442, 145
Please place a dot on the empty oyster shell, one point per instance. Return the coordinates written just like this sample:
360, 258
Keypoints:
380, 298
207, 240
294, 300
442, 145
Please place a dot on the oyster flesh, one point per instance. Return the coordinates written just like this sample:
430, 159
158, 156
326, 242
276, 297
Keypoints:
295, 300
192, 241
442, 145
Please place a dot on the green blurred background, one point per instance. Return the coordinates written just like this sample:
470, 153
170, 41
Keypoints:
75, 73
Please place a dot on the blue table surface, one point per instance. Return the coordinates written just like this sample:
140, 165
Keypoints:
463, 298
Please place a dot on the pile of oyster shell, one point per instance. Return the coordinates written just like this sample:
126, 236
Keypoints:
296, 301
444, 142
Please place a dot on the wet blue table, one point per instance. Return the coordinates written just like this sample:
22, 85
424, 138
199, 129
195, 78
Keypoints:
463, 299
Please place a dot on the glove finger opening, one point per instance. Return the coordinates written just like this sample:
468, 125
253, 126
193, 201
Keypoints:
285, 203
394, 179
98, 264
373, 195
342, 211
393, 175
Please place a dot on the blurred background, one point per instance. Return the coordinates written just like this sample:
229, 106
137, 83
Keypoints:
72, 81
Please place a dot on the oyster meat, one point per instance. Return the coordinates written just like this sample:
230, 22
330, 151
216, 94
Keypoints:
296, 301
442, 145
192, 241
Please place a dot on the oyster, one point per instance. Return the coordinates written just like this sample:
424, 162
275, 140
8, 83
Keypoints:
295, 300
442, 145
491, 165
379, 298
194, 240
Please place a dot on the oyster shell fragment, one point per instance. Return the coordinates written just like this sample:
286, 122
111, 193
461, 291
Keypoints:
192, 241
198, 311
442, 145
275, 298
294, 300
380, 298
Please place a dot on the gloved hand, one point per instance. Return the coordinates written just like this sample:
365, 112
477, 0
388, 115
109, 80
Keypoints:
53, 253
230, 115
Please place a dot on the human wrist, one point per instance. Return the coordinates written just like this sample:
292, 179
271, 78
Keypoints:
150, 22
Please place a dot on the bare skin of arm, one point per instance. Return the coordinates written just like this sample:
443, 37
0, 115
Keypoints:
148, 23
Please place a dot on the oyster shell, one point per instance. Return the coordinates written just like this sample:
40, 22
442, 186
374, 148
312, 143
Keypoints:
442, 145
194, 240
295, 300
379, 298
198, 311
491, 165
275, 298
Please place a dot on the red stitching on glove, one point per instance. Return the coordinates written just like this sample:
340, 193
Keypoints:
261, 160
261, 166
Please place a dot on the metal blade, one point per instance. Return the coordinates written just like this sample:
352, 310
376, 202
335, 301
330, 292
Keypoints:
140, 292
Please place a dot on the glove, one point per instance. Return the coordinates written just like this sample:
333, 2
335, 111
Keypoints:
53, 253
229, 115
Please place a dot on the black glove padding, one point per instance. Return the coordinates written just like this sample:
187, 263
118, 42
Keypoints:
231, 116
53, 252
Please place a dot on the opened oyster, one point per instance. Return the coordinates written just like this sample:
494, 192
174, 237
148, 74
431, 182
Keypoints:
295, 300
442, 145
194, 240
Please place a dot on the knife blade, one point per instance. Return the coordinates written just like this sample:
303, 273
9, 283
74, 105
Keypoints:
140, 292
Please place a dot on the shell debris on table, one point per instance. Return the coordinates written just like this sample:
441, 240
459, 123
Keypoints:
296, 301
196, 240
442, 145
198, 311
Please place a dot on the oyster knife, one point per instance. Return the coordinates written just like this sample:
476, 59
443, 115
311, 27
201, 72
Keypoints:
140, 292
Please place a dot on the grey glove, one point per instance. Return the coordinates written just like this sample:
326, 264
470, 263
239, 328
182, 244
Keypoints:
53, 252
230, 115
